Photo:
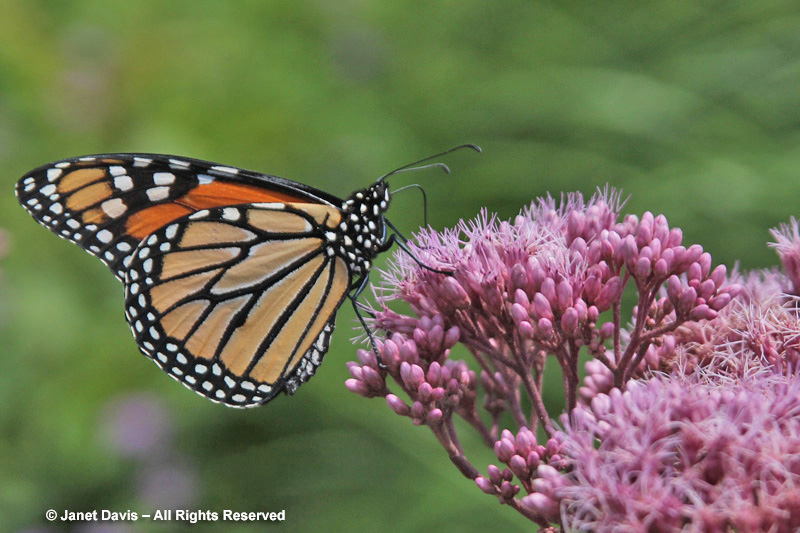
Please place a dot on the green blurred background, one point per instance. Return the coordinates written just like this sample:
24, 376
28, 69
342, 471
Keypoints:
693, 108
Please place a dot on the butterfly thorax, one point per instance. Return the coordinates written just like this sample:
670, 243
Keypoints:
362, 231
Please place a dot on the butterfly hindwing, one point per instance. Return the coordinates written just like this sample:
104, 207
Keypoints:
238, 303
107, 204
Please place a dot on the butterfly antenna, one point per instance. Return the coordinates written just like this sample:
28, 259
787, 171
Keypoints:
408, 166
424, 198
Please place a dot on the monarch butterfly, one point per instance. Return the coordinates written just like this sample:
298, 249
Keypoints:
232, 278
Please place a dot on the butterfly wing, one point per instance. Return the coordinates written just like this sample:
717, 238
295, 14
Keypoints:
238, 303
107, 204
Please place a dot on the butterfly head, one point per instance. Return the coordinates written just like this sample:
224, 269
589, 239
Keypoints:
363, 227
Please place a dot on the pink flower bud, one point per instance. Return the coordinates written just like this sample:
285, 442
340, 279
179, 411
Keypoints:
575, 223
609, 294
702, 312
521, 297
675, 237
541, 305
695, 271
692, 254
656, 246
504, 449
532, 460
354, 369
642, 268
564, 294
705, 264
628, 251
519, 467
412, 375
591, 287
542, 505
569, 320
434, 373
357, 386
686, 300
372, 378
674, 288
525, 330
455, 293
661, 268
420, 336
607, 330
408, 351
494, 475
578, 246
367, 357
507, 490
518, 276
544, 328
706, 289
548, 290
519, 313
451, 337
661, 228
434, 416
718, 302
425, 392
645, 231
397, 405
550, 474
485, 485
435, 336
719, 275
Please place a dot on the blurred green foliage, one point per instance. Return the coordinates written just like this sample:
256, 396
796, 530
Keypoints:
691, 107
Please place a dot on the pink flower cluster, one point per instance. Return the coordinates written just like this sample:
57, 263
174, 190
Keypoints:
548, 286
676, 454
537, 467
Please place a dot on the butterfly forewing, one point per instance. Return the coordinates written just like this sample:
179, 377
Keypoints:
238, 303
108, 204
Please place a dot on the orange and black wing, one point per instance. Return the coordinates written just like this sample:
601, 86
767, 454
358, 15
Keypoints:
238, 303
107, 204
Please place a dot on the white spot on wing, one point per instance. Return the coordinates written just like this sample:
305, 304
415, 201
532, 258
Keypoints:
123, 183
47, 190
53, 173
116, 170
158, 193
171, 231
225, 170
105, 236
114, 207
177, 163
230, 213
163, 178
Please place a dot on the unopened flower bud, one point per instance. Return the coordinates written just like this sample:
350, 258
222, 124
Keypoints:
397, 405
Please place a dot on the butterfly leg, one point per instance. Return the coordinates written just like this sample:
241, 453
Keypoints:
402, 242
360, 286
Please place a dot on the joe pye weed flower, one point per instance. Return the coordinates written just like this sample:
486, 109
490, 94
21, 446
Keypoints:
685, 418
